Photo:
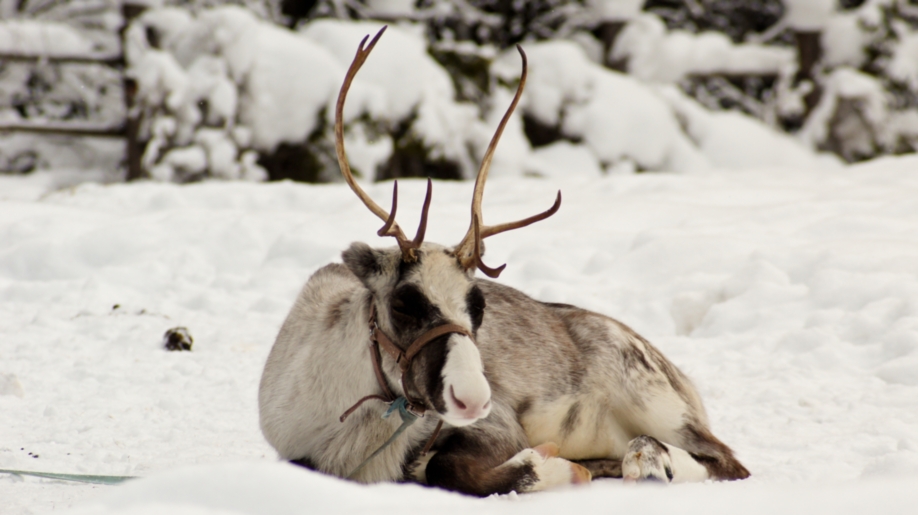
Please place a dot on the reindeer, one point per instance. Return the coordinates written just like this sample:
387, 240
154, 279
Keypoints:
533, 395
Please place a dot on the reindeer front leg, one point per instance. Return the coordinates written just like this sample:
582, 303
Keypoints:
486, 460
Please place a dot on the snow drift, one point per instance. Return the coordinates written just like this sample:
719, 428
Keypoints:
789, 296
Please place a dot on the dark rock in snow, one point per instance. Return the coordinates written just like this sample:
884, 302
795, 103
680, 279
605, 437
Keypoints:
177, 338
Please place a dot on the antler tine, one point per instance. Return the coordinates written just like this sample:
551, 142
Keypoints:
386, 230
491, 230
422, 227
390, 228
469, 249
493, 273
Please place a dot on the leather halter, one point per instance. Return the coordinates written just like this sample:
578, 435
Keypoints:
378, 339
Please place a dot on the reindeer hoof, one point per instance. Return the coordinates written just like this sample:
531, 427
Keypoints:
549, 471
647, 460
547, 450
580, 474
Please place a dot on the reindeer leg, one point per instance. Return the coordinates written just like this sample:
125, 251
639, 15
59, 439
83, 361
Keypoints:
484, 459
707, 458
676, 444
714, 455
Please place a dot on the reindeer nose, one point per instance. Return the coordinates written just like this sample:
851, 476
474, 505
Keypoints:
468, 406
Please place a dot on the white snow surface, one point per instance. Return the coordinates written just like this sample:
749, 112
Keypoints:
789, 295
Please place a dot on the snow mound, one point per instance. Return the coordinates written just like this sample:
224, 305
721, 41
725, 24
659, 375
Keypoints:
788, 295
259, 488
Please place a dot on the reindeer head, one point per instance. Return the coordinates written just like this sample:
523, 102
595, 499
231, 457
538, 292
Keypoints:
418, 287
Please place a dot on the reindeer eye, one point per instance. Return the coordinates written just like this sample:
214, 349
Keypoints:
400, 311
475, 302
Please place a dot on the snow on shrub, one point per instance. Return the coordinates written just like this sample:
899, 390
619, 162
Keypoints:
42, 38
626, 123
808, 14
733, 140
852, 118
869, 80
224, 92
655, 54
402, 84
236, 87
226, 84
615, 9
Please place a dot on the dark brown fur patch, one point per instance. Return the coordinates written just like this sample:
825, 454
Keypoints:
524, 406
305, 463
673, 375
632, 356
706, 449
469, 462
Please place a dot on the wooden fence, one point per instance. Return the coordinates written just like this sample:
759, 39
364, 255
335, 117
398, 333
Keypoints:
128, 129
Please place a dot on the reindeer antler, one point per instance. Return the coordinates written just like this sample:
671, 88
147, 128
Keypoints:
469, 249
390, 228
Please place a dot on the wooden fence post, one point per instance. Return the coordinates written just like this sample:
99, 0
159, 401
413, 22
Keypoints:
134, 148
809, 51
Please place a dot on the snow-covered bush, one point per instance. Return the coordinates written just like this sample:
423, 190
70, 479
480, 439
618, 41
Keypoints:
866, 81
222, 91
626, 124
869, 103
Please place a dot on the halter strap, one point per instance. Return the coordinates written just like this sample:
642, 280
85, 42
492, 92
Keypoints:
409, 408
403, 358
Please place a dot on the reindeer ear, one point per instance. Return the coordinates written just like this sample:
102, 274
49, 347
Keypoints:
363, 260
372, 266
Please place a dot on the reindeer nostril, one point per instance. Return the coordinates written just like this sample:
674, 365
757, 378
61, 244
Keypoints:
452, 393
487, 405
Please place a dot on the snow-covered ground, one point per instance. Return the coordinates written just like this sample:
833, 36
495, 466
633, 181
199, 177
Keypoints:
789, 295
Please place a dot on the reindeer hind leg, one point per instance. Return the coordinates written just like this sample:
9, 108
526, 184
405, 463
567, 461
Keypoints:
706, 458
710, 452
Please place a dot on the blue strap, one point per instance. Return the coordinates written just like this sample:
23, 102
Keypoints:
82, 478
408, 418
